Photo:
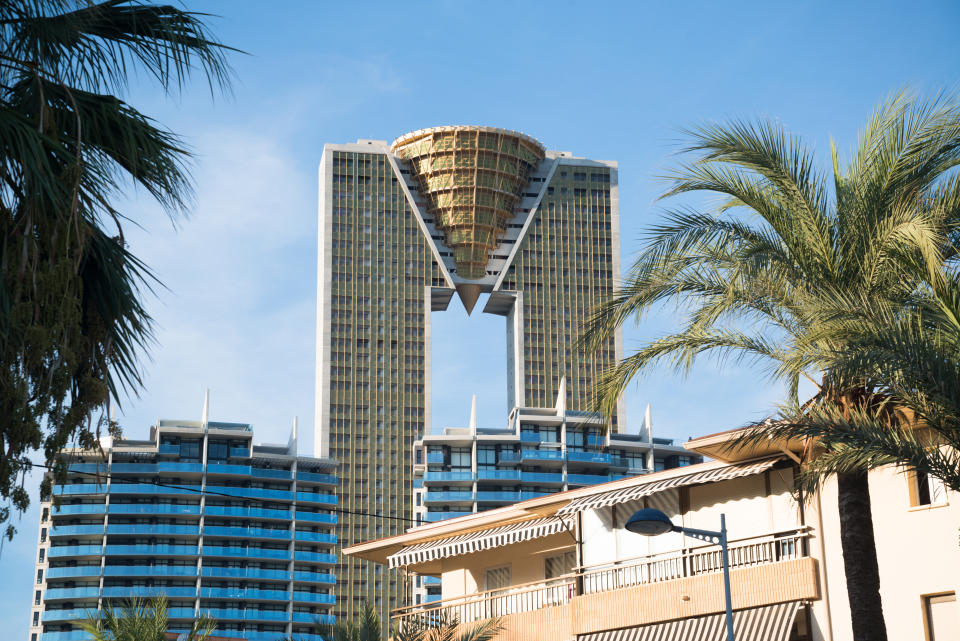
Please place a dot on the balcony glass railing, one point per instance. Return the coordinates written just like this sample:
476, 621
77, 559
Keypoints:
74, 614
542, 455
153, 550
316, 517
430, 477
525, 496
249, 614
588, 457
254, 532
126, 591
432, 580
267, 473
315, 477
74, 550
80, 508
431, 517
316, 497
239, 452
153, 508
178, 467
315, 577
310, 617
448, 497
317, 537
144, 529
76, 530
71, 635
150, 570
73, 572
80, 488
314, 597
587, 479
315, 557
134, 468
251, 492
146, 488
72, 593
245, 573
498, 475
226, 468
88, 468
181, 613
248, 552
244, 593
541, 477
498, 497
248, 512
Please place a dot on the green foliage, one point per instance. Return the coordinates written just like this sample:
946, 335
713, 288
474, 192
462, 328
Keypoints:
438, 626
366, 628
139, 620
72, 321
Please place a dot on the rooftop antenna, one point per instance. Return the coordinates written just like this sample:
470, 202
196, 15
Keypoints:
205, 419
473, 415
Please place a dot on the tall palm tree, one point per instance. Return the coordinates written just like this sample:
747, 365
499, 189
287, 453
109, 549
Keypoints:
139, 620
755, 274
365, 628
438, 626
72, 320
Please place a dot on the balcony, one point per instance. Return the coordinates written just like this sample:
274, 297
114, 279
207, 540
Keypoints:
228, 469
250, 614
315, 557
245, 573
143, 529
541, 455
169, 448
153, 508
430, 477
74, 550
270, 473
315, 477
542, 477
80, 508
76, 614
317, 517
588, 479
310, 617
498, 497
448, 497
314, 597
150, 570
152, 550
586, 595
134, 468
498, 475
316, 537
315, 577
316, 497
181, 613
508, 458
176, 467
146, 488
598, 458
244, 593
246, 532
55, 594
249, 552
80, 488
72, 635
76, 530
247, 512
74, 572
88, 468
432, 517
251, 492
124, 592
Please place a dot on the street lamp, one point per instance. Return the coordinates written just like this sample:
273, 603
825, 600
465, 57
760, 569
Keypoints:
651, 522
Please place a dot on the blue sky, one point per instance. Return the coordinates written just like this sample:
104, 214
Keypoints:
601, 79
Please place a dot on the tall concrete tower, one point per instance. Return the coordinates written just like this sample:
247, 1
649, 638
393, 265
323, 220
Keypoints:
402, 229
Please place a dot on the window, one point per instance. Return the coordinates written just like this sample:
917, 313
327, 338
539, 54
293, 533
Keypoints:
39, 577
41, 554
190, 449
36, 618
940, 616
926, 490
559, 565
43, 535
497, 578
487, 457
36, 597
217, 451
460, 458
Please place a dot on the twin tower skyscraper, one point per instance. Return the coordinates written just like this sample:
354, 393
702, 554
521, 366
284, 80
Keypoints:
403, 228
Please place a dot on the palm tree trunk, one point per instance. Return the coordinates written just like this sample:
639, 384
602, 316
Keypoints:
860, 557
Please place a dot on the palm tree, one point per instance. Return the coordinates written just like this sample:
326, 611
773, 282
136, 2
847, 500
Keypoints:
365, 628
757, 273
438, 626
72, 320
139, 620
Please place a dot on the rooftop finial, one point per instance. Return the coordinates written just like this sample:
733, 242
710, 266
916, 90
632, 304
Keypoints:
206, 408
473, 415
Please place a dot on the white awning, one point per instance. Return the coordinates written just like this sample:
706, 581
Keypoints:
767, 623
477, 541
653, 485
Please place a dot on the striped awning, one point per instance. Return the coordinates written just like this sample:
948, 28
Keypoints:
477, 541
767, 623
654, 485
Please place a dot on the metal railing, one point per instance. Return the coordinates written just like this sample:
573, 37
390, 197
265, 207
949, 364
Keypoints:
761, 550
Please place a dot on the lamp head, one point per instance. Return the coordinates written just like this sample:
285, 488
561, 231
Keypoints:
649, 522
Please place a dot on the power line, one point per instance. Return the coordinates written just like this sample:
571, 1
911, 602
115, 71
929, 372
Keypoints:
208, 492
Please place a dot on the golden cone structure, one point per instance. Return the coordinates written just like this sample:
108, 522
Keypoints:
471, 179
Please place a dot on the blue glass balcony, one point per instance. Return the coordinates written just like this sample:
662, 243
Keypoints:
317, 537
74, 572
76, 530
306, 636
316, 497
134, 468
181, 613
541, 477
587, 479
429, 477
244, 593
145, 488
434, 458
153, 550
75, 614
314, 597
432, 580
74, 550
252, 492
248, 552
431, 517
430, 598
153, 508
80, 488
316, 517
72, 593
314, 557
589, 457
169, 449
245, 573
310, 617
314, 477
225, 468
118, 592
250, 614
264, 473
178, 467
532, 495
150, 570
583, 414
448, 497
315, 577
498, 497
498, 475
507, 458
542, 455
529, 437
417, 484
72, 635
144, 529
88, 468
253, 532
81, 508
239, 452
249, 512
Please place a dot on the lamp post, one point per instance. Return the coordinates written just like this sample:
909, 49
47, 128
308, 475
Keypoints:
651, 522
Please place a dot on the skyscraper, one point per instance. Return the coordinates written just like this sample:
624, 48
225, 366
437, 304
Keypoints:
404, 227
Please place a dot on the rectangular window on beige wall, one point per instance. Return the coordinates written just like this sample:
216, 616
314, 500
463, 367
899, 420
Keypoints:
926, 490
559, 565
941, 616
497, 578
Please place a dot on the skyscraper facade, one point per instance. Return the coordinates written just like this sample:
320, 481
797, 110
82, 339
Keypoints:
402, 229
196, 513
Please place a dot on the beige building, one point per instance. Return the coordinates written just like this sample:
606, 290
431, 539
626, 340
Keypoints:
562, 567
